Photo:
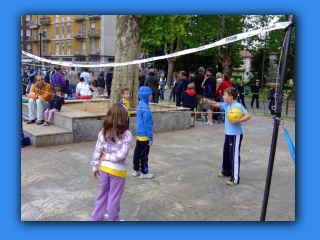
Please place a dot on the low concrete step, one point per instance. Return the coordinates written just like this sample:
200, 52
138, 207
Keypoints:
42, 136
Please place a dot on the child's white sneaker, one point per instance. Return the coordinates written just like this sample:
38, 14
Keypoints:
147, 175
207, 123
136, 173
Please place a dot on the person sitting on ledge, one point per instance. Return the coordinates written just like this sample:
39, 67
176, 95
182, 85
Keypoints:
83, 90
39, 96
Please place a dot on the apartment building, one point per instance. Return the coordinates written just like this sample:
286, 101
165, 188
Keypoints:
76, 38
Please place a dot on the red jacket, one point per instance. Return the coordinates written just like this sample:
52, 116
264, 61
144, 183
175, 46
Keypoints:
223, 86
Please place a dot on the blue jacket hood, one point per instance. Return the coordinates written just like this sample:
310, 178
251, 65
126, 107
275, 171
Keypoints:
144, 93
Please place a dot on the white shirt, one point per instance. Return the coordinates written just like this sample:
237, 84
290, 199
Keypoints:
87, 77
83, 89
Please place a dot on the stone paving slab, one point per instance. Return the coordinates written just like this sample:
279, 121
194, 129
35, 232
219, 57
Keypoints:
57, 182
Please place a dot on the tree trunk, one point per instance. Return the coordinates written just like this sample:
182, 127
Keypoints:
127, 49
171, 62
227, 64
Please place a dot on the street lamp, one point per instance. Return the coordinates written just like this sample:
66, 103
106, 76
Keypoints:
40, 34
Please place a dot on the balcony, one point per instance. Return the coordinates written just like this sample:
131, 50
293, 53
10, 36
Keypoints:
45, 39
29, 23
46, 53
94, 16
45, 20
93, 51
79, 17
79, 35
81, 52
34, 39
94, 33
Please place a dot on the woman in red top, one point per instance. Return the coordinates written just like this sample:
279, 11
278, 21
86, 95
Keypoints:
226, 83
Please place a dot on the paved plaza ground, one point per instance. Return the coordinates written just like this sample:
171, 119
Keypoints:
57, 182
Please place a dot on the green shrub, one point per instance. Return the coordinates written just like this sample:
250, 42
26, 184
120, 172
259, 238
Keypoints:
236, 76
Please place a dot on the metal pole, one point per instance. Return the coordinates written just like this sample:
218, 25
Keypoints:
276, 124
40, 45
264, 53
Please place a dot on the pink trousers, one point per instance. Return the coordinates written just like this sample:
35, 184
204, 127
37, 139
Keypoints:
48, 113
111, 188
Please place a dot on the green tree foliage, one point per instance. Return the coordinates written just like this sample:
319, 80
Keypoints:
257, 64
165, 32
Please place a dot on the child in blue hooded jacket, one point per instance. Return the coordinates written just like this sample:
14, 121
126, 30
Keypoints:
144, 134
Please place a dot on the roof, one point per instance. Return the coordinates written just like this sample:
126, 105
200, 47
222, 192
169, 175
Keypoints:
245, 53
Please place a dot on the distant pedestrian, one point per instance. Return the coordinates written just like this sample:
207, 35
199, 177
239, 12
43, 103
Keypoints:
101, 84
181, 87
31, 76
240, 89
111, 153
73, 80
142, 78
199, 90
109, 82
163, 82
272, 99
189, 97
86, 76
125, 94
173, 84
153, 83
255, 93
226, 83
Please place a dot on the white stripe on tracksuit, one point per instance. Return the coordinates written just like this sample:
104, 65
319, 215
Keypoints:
236, 158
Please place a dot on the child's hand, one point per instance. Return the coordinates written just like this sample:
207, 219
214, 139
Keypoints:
102, 156
95, 174
236, 121
150, 143
202, 101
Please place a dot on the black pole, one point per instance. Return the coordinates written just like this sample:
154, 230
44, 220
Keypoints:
276, 124
287, 105
264, 53
40, 45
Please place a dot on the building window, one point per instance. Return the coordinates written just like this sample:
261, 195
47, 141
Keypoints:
62, 18
92, 24
68, 47
68, 17
57, 18
62, 30
62, 47
68, 30
92, 45
83, 26
45, 46
28, 19
29, 48
57, 48
21, 35
57, 31
28, 34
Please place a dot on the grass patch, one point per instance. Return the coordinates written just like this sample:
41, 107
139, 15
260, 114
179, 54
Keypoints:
167, 100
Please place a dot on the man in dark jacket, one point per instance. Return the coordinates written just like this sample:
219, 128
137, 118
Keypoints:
153, 83
31, 76
198, 79
109, 81
142, 78
47, 77
24, 79
255, 93
241, 94
272, 98
181, 87
209, 85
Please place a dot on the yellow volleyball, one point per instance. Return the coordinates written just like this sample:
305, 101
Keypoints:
233, 113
